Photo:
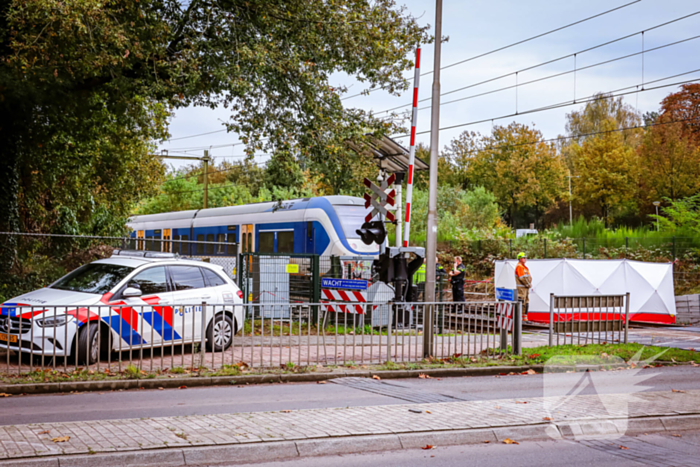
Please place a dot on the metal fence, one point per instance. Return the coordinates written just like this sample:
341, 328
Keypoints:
588, 319
117, 338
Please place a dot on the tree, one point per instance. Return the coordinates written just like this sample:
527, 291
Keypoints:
596, 114
607, 169
70, 67
520, 169
684, 105
680, 217
669, 162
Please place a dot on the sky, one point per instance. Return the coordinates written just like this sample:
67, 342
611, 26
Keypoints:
475, 27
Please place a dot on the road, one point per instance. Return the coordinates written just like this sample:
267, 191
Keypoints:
655, 450
337, 393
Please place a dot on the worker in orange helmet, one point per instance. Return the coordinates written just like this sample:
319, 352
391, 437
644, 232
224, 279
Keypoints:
523, 280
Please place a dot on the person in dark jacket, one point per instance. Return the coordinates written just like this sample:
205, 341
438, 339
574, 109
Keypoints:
457, 280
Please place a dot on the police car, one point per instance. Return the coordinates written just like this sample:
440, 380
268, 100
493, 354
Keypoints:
133, 299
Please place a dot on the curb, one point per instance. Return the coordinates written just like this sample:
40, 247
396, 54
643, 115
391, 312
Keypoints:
264, 451
170, 383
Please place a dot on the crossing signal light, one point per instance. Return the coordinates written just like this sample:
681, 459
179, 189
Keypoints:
372, 232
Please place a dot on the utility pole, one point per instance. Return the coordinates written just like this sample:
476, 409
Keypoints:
205, 160
431, 238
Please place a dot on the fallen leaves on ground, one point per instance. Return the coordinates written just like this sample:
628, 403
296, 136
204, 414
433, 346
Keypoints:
534, 355
529, 372
375, 377
183, 387
60, 439
428, 411
677, 390
320, 382
161, 389
498, 406
424, 376
509, 441
521, 402
547, 419
487, 441
624, 447
285, 411
45, 432
677, 436
428, 446
3, 394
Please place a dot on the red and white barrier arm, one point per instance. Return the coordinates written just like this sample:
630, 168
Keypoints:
412, 151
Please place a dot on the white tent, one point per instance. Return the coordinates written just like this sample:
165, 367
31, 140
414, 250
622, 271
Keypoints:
650, 284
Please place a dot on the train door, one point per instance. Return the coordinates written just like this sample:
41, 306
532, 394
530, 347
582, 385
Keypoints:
167, 246
247, 238
309, 248
140, 235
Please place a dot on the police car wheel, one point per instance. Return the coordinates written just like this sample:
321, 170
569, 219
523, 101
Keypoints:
88, 345
220, 333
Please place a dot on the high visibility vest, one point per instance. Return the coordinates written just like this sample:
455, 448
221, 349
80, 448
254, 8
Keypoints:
419, 275
522, 276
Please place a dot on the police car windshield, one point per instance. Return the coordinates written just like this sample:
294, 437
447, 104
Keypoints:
352, 218
95, 278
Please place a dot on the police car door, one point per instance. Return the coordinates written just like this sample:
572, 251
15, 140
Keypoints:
189, 292
150, 317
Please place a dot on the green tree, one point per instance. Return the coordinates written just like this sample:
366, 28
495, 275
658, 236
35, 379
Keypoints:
69, 68
681, 217
607, 169
523, 172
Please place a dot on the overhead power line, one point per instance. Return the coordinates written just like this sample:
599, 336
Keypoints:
512, 45
548, 62
195, 136
556, 106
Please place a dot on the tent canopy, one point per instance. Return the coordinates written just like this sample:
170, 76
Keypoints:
650, 284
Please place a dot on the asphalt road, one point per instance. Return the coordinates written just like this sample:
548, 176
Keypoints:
647, 450
341, 393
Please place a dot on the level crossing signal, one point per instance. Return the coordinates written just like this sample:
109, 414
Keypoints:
372, 232
383, 196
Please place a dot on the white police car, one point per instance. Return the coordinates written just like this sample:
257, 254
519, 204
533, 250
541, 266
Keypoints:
133, 299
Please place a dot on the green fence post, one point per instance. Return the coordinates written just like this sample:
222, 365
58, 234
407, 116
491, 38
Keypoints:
627, 246
674, 248
510, 240
584, 248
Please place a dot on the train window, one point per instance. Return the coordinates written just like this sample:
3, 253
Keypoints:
220, 248
210, 246
200, 246
231, 247
184, 246
266, 242
285, 242
149, 244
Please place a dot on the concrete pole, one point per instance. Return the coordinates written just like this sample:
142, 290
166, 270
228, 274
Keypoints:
206, 160
431, 243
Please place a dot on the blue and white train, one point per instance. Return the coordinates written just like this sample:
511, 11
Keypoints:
324, 226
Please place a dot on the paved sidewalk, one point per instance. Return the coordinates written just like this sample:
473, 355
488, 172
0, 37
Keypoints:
491, 420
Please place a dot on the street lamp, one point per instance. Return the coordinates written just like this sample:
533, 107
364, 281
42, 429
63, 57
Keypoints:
656, 205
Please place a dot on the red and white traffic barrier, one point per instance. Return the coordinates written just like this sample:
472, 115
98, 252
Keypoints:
412, 151
504, 311
344, 295
343, 301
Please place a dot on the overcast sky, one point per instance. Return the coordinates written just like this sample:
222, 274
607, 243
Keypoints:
478, 26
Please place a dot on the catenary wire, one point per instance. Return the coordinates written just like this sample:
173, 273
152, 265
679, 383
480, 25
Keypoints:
575, 70
553, 106
511, 45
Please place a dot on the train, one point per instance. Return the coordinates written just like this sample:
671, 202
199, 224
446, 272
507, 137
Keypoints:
324, 225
